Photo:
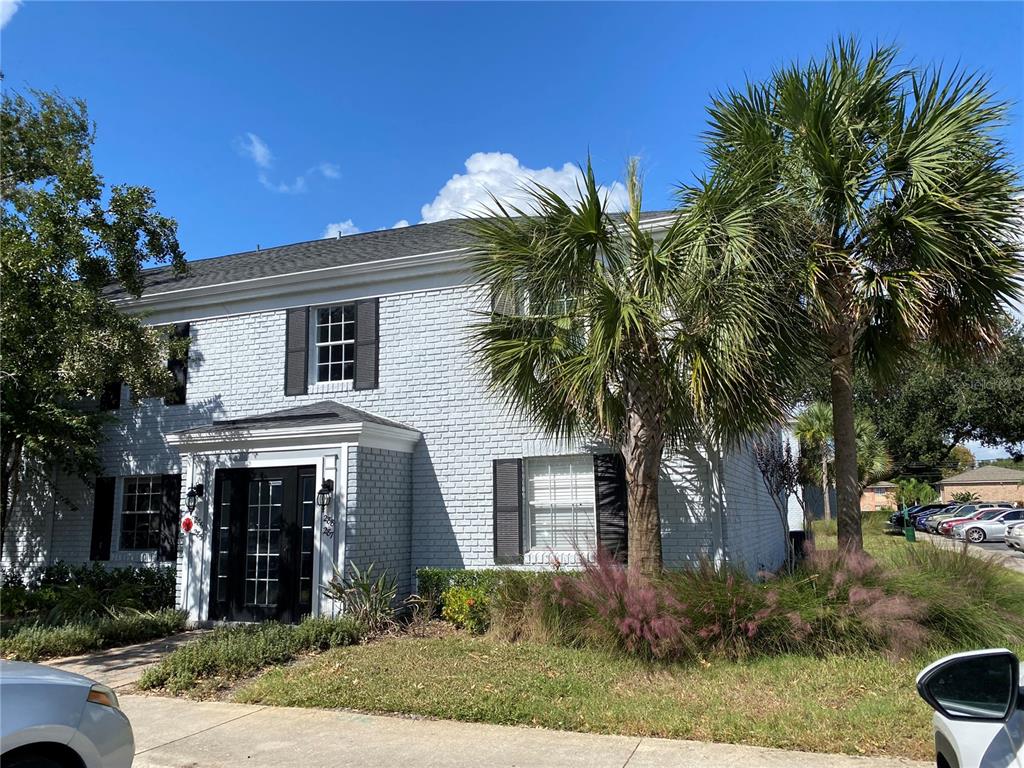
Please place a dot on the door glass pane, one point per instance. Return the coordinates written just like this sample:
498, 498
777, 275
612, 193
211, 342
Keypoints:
263, 542
307, 499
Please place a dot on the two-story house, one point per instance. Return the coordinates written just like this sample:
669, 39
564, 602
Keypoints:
330, 411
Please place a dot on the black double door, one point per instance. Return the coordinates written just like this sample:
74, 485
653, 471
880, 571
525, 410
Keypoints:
262, 559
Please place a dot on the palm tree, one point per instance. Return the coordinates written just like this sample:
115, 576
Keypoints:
813, 428
901, 196
873, 460
603, 329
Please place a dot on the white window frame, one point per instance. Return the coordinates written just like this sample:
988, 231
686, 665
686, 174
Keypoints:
315, 345
583, 545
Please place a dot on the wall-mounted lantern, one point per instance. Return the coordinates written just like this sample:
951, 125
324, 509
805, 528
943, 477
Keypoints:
192, 497
323, 500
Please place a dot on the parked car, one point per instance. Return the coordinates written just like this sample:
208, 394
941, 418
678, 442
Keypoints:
55, 719
1014, 536
958, 510
985, 513
979, 709
963, 510
921, 523
978, 531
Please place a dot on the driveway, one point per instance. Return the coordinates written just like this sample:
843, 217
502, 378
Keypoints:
178, 732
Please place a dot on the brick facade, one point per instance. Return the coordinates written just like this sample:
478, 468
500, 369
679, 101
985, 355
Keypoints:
428, 508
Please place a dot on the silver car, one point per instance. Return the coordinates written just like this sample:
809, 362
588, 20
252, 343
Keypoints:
977, 698
55, 719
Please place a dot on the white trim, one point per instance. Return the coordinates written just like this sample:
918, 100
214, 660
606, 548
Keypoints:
364, 433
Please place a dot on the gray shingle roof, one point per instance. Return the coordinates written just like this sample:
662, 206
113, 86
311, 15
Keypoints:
313, 254
987, 474
324, 413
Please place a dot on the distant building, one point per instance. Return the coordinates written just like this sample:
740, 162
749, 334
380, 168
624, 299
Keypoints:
878, 495
989, 483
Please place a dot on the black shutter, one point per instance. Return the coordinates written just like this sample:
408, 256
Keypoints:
367, 344
296, 353
612, 504
178, 366
110, 397
508, 511
170, 512
102, 519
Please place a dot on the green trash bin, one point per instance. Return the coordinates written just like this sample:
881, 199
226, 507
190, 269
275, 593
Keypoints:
910, 533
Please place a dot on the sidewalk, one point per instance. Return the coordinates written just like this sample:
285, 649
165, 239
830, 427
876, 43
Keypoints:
178, 732
118, 667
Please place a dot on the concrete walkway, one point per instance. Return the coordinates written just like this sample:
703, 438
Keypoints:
118, 667
178, 732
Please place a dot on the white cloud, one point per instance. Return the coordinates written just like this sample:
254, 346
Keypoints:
7, 9
256, 149
500, 174
400, 223
296, 187
341, 228
329, 170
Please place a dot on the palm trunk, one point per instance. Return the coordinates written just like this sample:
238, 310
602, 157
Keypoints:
641, 452
826, 500
847, 495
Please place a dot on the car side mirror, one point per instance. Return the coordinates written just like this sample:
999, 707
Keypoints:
978, 685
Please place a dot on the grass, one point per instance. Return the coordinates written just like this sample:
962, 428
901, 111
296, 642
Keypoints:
34, 642
233, 652
852, 704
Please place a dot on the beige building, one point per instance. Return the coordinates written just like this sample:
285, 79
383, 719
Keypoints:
989, 483
878, 495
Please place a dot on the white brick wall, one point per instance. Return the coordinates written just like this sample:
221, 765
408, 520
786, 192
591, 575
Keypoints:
379, 513
429, 382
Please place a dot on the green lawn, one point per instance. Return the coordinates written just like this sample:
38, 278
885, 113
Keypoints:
848, 704
858, 704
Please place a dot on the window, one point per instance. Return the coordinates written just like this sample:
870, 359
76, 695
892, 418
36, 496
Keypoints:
335, 342
140, 512
560, 502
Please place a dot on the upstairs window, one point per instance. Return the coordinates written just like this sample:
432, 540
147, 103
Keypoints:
335, 336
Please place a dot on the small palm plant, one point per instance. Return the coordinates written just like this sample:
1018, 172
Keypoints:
365, 597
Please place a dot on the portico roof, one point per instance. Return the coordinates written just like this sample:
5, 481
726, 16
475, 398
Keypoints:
305, 424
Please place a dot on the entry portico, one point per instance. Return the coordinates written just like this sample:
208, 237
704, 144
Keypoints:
262, 543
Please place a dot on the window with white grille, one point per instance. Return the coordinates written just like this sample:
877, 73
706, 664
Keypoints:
335, 342
560, 502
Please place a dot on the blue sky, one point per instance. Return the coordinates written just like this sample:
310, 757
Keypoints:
268, 123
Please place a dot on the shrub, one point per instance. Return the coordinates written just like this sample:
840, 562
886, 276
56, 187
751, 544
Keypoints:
33, 642
434, 581
467, 608
524, 606
241, 650
369, 600
60, 593
626, 610
969, 602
